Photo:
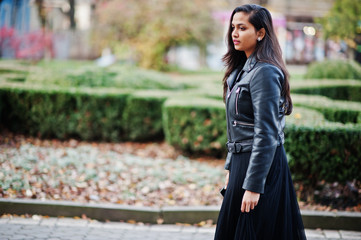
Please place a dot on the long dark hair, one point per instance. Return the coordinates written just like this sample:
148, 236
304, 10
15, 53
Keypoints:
268, 50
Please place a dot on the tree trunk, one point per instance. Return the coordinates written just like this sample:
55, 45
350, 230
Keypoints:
41, 12
72, 14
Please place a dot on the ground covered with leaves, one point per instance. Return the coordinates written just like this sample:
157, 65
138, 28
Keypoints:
144, 174
140, 174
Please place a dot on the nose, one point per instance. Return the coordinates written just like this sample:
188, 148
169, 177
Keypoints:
234, 33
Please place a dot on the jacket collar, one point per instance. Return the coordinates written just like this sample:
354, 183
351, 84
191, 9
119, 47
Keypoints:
232, 77
250, 63
248, 66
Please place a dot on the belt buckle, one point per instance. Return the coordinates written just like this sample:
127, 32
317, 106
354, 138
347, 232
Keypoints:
234, 147
240, 147
231, 147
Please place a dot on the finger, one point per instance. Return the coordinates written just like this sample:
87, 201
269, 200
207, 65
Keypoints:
243, 206
227, 180
248, 207
252, 206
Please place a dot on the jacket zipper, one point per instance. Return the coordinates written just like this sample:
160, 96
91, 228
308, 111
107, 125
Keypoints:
235, 123
227, 103
237, 93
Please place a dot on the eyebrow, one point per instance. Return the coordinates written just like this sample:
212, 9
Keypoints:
238, 24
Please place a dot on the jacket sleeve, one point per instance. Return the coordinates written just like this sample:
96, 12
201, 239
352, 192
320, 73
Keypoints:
228, 161
265, 90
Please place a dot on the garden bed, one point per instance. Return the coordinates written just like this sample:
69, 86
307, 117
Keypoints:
139, 174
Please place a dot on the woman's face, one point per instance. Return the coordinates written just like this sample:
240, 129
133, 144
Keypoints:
244, 34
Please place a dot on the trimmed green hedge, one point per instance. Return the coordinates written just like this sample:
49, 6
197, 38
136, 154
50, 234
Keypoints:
346, 92
87, 74
142, 117
334, 69
317, 149
92, 115
322, 150
195, 125
334, 111
87, 114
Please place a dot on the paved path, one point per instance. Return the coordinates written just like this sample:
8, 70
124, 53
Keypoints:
73, 229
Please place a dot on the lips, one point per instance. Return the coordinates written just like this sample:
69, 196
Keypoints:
236, 42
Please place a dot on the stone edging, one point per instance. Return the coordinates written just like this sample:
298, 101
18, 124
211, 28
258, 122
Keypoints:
170, 215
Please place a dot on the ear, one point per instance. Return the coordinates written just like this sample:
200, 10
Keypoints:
261, 33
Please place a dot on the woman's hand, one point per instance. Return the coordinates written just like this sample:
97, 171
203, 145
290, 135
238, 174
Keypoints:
227, 179
249, 201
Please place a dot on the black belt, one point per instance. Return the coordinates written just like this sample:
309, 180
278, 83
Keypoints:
234, 147
237, 147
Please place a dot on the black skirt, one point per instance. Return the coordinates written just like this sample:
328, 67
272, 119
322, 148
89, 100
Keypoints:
277, 215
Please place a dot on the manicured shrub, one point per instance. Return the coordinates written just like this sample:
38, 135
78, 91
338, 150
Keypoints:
99, 117
346, 92
316, 147
142, 117
195, 125
89, 75
93, 115
334, 69
332, 110
321, 150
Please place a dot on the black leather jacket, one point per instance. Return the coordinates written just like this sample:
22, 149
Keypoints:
255, 118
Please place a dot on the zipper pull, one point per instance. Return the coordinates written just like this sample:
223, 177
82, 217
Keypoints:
238, 89
234, 123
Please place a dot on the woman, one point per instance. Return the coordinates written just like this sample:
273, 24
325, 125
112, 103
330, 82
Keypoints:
259, 201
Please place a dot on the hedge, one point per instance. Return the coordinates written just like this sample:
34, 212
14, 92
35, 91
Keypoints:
195, 125
332, 110
142, 116
334, 69
322, 150
341, 92
317, 149
85, 114
86, 74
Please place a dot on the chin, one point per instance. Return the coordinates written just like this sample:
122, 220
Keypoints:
238, 48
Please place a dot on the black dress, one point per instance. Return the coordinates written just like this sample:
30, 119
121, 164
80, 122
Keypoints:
277, 215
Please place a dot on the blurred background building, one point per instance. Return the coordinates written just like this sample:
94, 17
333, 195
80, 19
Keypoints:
61, 29
46, 28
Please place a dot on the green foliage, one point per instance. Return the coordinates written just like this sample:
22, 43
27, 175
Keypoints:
343, 21
142, 117
152, 27
332, 110
12, 71
334, 69
321, 150
86, 74
63, 114
345, 92
324, 153
195, 125
318, 149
